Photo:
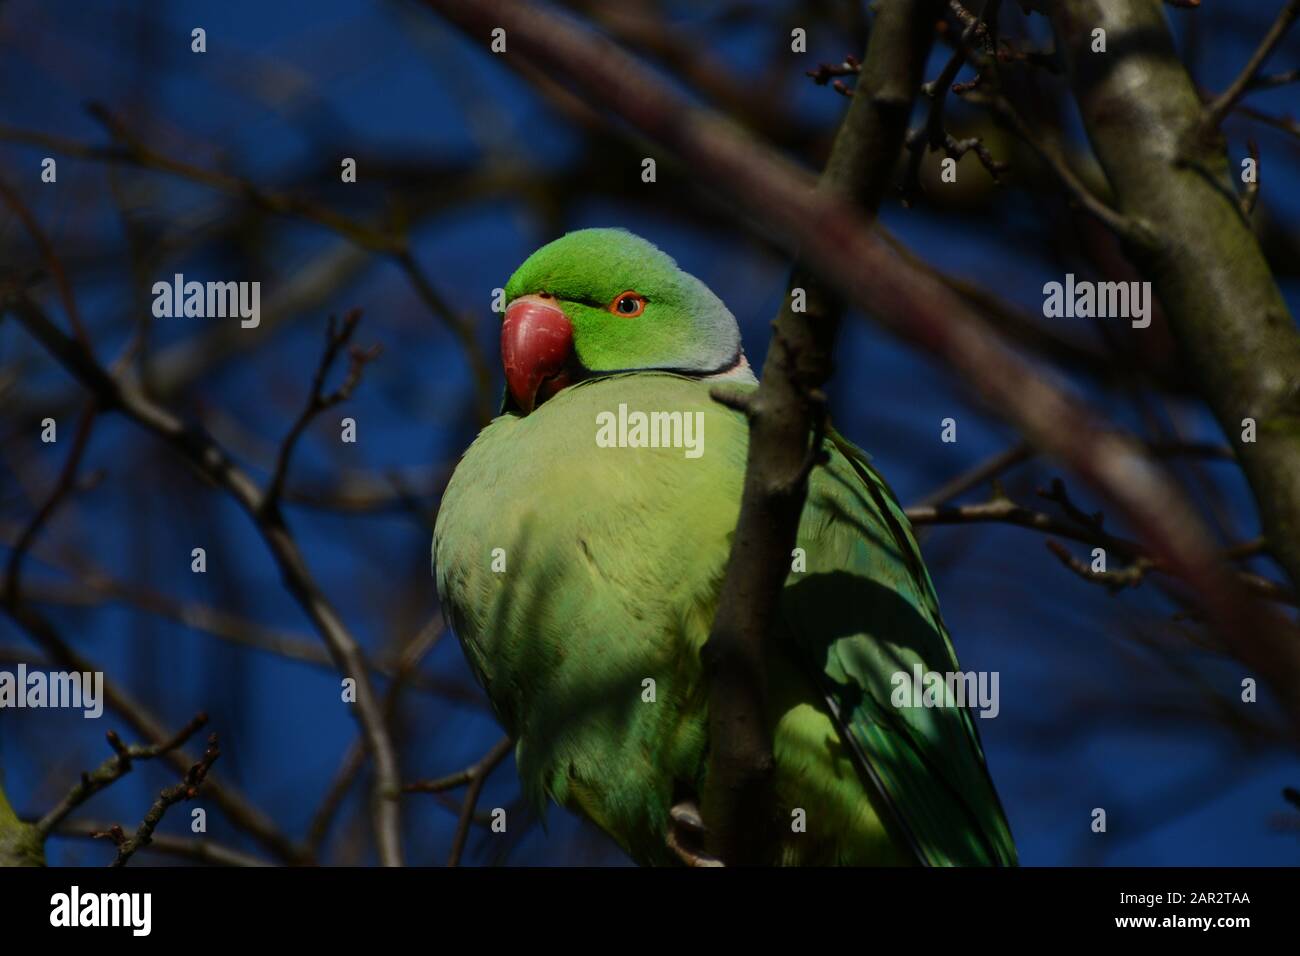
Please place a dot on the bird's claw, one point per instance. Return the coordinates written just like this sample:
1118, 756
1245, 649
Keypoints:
686, 833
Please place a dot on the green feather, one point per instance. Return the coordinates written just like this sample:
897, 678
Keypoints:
614, 558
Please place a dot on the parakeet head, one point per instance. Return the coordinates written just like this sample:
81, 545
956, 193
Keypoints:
599, 301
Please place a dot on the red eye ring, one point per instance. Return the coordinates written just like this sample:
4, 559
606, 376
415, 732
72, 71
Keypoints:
636, 298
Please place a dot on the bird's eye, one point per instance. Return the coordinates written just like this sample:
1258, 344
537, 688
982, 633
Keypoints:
628, 304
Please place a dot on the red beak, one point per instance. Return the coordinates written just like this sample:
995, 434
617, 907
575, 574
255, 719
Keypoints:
536, 345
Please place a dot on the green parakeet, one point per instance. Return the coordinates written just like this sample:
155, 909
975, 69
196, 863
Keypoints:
580, 548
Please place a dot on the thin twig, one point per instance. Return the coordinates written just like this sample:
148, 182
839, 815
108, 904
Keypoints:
194, 850
62, 486
477, 776
1286, 124
51, 258
826, 72
425, 640
464, 331
982, 473
1003, 510
241, 812
187, 789
127, 148
202, 452
113, 769
1114, 581
130, 149
1223, 104
1087, 529
337, 337
933, 135
1274, 80
1126, 227
90, 585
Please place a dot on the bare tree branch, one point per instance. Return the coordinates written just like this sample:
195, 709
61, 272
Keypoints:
1136, 572
113, 769
1087, 530
1249, 77
194, 850
234, 804
1135, 231
408, 661
130, 150
986, 471
198, 448
62, 486
476, 777
337, 337
1221, 300
187, 789
786, 409
52, 261
91, 586
933, 135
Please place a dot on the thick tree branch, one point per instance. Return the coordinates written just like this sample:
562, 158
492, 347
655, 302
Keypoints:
783, 413
20, 843
1209, 272
1251, 196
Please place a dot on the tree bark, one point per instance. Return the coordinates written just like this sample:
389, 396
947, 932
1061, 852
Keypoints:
783, 413
1169, 167
20, 843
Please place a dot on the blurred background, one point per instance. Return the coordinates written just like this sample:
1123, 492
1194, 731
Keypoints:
1107, 700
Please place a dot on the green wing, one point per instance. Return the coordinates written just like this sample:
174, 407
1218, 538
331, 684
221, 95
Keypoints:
864, 611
